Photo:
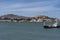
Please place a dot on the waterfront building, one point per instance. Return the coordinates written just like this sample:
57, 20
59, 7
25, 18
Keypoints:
39, 20
33, 20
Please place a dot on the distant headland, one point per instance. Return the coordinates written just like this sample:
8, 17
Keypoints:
16, 18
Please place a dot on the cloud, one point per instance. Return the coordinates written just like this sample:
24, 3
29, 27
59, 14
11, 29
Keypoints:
37, 7
25, 5
23, 1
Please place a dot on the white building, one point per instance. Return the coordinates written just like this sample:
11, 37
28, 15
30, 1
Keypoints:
40, 20
33, 20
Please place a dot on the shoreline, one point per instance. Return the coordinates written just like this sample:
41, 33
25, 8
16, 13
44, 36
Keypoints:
16, 18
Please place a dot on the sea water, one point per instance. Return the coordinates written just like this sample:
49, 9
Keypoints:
27, 31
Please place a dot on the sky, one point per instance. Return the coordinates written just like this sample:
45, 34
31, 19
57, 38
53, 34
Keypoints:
30, 8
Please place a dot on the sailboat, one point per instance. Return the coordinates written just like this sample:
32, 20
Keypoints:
55, 25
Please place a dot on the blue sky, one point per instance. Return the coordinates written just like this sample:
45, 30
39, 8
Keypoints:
49, 8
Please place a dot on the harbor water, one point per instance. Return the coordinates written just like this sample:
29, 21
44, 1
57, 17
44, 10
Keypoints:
27, 31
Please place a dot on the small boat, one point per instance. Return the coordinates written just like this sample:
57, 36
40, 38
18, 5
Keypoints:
55, 25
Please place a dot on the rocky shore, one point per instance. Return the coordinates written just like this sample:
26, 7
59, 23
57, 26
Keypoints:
16, 18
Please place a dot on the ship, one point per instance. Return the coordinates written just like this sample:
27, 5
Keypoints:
55, 25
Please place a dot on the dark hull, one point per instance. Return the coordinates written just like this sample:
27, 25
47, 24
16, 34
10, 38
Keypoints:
51, 27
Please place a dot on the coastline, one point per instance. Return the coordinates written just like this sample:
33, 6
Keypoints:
16, 18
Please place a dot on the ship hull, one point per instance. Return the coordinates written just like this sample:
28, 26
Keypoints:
51, 27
